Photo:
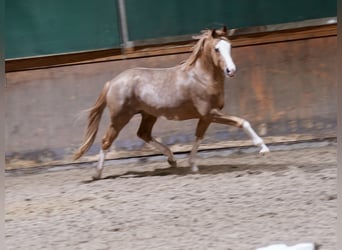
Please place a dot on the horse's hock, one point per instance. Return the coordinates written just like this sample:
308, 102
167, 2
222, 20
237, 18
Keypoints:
285, 89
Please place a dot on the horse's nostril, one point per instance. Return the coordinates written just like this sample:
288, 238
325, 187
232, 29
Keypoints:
229, 72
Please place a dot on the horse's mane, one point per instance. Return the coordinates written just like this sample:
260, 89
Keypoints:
197, 48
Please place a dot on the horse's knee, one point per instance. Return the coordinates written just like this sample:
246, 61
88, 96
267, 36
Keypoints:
218, 117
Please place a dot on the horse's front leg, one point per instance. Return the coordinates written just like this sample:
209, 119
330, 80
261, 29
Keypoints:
218, 117
202, 127
255, 138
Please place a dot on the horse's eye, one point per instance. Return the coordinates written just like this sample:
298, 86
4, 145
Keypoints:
216, 49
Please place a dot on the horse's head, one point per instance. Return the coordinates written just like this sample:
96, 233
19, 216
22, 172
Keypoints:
219, 48
214, 48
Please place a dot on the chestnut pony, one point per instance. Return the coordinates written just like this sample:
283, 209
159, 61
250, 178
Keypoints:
193, 89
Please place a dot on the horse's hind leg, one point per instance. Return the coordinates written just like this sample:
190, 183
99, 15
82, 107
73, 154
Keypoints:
111, 134
144, 132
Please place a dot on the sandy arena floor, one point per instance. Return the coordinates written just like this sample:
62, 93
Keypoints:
239, 201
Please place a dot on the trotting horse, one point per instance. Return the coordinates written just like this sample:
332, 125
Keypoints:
190, 90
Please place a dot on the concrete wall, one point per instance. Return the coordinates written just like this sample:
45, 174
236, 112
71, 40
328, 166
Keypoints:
285, 89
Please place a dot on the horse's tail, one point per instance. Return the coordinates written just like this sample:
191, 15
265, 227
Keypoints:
94, 118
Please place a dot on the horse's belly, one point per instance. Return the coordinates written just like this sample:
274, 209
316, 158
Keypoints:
176, 117
179, 114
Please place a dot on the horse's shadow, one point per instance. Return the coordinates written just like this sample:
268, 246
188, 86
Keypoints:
240, 169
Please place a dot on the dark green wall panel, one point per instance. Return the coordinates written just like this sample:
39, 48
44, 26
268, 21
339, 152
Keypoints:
42, 27
158, 18
45, 27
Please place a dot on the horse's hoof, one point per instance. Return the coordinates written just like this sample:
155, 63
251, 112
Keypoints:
96, 177
194, 168
172, 163
264, 150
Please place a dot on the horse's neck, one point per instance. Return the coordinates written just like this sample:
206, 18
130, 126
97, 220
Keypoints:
207, 71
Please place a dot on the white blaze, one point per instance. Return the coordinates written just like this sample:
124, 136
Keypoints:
224, 48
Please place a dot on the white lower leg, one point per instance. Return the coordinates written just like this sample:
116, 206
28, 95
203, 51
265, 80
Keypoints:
100, 164
193, 153
255, 138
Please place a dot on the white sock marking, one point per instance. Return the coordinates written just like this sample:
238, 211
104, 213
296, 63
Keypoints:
255, 138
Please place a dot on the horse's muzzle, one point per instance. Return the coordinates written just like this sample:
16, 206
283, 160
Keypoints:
230, 73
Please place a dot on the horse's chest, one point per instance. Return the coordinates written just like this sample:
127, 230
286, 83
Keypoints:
216, 95
217, 101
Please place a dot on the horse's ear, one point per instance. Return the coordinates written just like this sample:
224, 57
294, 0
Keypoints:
213, 33
224, 29
197, 37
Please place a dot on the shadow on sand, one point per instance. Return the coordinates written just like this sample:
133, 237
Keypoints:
203, 170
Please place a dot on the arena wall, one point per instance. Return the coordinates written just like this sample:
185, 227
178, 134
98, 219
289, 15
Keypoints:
286, 89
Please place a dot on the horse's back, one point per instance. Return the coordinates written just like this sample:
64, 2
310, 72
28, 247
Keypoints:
153, 90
